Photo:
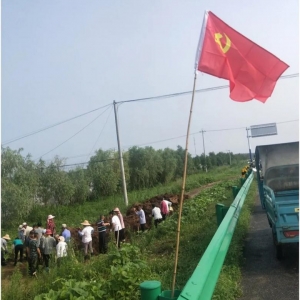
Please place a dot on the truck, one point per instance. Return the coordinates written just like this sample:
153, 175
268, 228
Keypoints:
277, 169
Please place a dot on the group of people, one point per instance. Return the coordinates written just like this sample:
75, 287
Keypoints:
38, 244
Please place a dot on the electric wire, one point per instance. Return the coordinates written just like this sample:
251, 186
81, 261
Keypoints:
53, 125
100, 132
177, 137
196, 91
74, 134
134, 100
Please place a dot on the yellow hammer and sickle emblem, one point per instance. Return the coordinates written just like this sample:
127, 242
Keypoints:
227, 46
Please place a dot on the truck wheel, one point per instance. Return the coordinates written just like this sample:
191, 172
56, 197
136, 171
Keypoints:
279, 252
279, 247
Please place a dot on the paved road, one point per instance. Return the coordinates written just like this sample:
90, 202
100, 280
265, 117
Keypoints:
264, 277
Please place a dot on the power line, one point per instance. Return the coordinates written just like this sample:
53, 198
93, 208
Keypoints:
134, 100
181, 136
100, 132
74, 134
196, 91
51, 126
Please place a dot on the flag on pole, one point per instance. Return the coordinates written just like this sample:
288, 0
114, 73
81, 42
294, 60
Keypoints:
225, 53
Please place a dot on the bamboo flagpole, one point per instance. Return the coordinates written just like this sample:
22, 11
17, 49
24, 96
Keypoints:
198, 54
183, 189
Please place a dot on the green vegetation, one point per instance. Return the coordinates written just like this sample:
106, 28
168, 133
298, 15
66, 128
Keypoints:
27, 186
150, 256
32, 191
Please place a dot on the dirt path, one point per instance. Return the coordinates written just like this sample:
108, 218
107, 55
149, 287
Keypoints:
263, 276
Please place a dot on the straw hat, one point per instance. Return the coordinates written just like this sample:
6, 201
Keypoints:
86, 222
48, 231
6, 237
117, 209
61, 239
50, 217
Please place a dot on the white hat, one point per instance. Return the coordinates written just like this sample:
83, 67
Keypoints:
50, 217
20, 226
24, 224
64, 225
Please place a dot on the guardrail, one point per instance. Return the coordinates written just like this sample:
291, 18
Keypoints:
202, 283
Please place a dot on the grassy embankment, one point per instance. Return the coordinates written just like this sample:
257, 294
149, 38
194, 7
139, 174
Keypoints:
152, 254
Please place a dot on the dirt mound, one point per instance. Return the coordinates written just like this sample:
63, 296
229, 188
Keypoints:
131, 220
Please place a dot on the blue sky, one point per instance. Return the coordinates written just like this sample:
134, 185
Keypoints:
64, 58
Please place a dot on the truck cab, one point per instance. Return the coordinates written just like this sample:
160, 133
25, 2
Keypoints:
278, 183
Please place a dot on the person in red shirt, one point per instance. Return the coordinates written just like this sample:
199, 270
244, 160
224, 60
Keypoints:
164, 209
51, 225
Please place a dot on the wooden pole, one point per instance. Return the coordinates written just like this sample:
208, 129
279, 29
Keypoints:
182, 189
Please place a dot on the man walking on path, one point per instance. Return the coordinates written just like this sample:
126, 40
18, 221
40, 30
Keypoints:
101, 225
142, 217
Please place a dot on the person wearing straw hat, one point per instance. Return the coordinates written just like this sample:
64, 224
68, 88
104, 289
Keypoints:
4, 240
116, 226
50, 224
48, 244
86, 237
61, 250
122, 230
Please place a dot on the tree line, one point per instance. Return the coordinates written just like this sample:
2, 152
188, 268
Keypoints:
26, 183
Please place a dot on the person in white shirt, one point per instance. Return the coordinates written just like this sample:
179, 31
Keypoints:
61, 250
156, 213
116, 226
142, 217
86, 235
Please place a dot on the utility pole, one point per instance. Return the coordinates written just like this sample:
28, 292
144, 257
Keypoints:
248, 136
204, 150
121, 157
229, 157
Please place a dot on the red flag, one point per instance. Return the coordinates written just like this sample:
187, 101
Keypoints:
223, 52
